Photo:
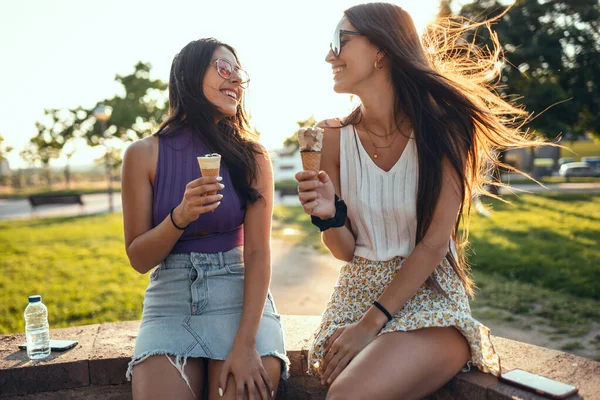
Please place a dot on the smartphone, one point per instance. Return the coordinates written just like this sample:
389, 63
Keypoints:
538, 384
56, 345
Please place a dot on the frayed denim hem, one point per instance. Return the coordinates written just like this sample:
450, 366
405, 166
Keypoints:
180, 362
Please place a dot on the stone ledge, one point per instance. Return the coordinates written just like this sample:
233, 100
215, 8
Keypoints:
95, 368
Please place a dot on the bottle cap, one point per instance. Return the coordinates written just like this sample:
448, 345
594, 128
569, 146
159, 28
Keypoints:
35, 298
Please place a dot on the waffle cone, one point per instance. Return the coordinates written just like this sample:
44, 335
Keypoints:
311, 160
210, 172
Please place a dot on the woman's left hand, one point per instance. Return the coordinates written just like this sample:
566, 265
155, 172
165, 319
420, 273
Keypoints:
246, 366
341, 348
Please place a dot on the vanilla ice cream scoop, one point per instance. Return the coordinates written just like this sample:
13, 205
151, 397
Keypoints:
210, 161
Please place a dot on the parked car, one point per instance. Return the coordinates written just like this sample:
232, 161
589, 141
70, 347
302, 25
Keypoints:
593, 161
565, 160
578, 169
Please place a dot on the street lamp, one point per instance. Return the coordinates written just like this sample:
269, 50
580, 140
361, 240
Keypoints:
102, 114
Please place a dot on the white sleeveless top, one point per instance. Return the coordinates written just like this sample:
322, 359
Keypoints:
382, 206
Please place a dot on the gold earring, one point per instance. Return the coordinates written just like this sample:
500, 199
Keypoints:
378, 64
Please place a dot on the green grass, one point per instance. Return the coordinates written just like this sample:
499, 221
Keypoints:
289, 183
293, 225
78, 265
550, 241
571, 346
502, 299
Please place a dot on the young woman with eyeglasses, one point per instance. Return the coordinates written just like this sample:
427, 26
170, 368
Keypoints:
209, 324
396, 179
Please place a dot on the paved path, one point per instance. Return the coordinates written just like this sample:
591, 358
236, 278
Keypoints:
93, 204
555, 187
302, 279
98, 203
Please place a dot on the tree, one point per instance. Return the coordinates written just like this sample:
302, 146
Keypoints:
134, 115
116, 160
552, 52
44, 147
292, 141
60, 129
137, 113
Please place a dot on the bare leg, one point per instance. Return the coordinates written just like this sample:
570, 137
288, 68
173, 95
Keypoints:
403, 365
156, 378
272, 366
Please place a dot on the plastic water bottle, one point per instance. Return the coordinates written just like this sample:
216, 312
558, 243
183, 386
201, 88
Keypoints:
37, 330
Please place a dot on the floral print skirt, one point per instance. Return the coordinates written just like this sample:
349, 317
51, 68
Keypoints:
362, 281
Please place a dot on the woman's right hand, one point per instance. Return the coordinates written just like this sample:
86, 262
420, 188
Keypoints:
196, 201
316, 194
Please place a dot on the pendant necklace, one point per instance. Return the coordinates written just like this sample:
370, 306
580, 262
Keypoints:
375, 155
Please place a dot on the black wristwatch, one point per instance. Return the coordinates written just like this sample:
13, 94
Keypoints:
338, 220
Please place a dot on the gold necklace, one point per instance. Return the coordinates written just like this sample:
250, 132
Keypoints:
375, 155
398, 125
386, 135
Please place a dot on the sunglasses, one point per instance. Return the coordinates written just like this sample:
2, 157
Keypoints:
226, 71
336, 42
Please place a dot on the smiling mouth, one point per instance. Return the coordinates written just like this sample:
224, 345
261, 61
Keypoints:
337, 70
230, 93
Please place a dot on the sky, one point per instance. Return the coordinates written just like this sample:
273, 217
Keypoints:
64, 54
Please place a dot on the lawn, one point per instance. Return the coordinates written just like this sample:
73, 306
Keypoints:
549, 240
77, 264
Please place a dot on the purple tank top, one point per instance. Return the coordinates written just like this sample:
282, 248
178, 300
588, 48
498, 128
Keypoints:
177, 166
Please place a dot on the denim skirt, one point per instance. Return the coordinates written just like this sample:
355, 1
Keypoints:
193, 307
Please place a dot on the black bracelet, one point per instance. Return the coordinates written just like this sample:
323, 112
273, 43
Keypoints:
338, 220
173, 221
383, 310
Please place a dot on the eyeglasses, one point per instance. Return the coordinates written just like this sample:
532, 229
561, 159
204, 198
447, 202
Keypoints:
226, 70
336, 42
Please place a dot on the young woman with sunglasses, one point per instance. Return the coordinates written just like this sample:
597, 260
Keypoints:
396, 178
209, 324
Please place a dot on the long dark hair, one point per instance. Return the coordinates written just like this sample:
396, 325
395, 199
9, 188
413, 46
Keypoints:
189, 108
445, 87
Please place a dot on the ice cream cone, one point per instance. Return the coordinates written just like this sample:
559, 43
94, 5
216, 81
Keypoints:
310, 141
311, 160
210, 165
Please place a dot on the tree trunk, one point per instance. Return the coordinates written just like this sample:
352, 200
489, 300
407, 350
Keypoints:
48, 176
68, 175
531, 167
109, 176
17, 179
